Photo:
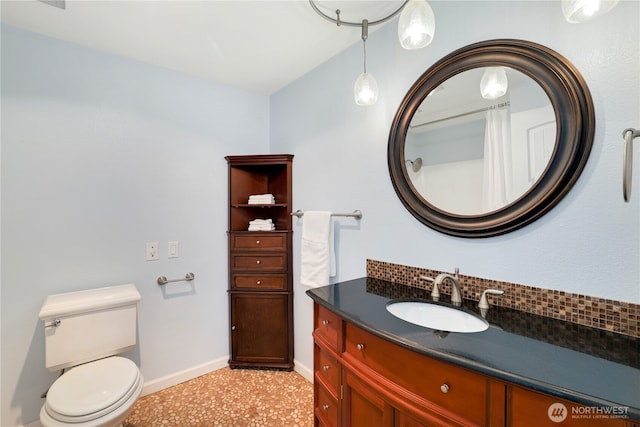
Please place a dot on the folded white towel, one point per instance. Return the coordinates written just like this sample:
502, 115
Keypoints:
261, 221
261, 199
262, 227
317, 255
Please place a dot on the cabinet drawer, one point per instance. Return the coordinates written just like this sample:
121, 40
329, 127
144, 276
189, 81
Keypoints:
526, 408
460, 391
258, 242
259, 262
327, 369
326, 407
327, 325
259, 281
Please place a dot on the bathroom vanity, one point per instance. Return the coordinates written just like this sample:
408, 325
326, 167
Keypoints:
373, 369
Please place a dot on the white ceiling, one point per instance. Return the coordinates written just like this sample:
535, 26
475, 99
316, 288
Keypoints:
257, 45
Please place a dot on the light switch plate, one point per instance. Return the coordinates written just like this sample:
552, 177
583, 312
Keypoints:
172, 249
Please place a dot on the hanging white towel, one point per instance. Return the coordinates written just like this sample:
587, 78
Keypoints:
317, 254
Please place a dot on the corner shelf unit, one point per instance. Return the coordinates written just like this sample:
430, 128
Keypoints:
260, 263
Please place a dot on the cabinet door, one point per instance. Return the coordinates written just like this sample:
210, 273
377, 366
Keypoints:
362, 406
528, 408
259, 328
404, 420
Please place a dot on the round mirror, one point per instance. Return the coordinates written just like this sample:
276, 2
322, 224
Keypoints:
490, 138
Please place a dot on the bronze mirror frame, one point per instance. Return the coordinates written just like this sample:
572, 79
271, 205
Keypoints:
575, 119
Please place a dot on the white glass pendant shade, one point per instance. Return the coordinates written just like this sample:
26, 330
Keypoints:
416, 25
365, 89
577, 11
494, 83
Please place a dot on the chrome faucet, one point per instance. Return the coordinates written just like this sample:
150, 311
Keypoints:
456, 294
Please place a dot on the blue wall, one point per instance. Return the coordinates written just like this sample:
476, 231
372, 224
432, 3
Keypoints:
588, 244
100, 155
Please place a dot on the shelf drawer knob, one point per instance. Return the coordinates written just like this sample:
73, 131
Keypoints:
325, 368
233, 328
360, 346
258, 282
325, 322
444, 388
325, 407
258, 262
257, 242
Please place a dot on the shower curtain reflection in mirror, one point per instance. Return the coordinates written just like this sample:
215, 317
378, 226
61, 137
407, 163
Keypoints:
497, 167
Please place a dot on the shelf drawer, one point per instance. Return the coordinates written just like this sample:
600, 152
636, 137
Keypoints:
327, 369
444, 384
276, 282
327, 326
259, 242
259, 262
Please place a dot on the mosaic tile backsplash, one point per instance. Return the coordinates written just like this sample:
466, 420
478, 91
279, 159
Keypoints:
600, 313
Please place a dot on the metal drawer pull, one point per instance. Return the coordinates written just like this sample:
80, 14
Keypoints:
325, 368
258, 262
360, 347
325, 322
325, 407
257, 242
444, 388
258, 282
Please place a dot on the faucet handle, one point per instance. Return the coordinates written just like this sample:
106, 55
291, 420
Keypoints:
435, 293
484, 304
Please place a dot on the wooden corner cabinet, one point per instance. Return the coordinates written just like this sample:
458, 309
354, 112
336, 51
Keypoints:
260, 262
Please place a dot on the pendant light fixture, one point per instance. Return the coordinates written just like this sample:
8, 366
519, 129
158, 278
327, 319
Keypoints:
415, 30
365, 91
494, 83
416, 25
577, 11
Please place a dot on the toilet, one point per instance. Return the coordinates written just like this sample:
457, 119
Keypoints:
85, 331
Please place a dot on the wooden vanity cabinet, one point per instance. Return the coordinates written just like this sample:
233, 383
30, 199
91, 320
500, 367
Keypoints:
524, 408
260, 263
361, 380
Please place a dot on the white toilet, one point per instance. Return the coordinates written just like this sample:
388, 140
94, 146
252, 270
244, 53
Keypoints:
84, 331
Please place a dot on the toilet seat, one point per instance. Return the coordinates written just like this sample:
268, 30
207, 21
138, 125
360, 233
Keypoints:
93, 390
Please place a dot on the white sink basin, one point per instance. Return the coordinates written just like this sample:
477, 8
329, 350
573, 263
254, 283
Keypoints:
437, 316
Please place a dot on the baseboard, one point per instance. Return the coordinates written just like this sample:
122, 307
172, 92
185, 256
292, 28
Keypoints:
303, 370
182, 376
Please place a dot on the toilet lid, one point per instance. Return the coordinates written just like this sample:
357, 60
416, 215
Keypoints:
92, 387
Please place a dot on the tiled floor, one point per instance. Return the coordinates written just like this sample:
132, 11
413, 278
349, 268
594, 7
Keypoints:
229, 398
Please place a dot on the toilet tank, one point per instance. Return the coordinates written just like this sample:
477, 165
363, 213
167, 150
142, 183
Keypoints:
88, 325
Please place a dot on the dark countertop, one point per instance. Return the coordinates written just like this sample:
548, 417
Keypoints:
578, 363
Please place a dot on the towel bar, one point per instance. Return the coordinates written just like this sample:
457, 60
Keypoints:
357, 214
162, 280
627, 171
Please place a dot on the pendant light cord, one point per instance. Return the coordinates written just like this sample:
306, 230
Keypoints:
365, 36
